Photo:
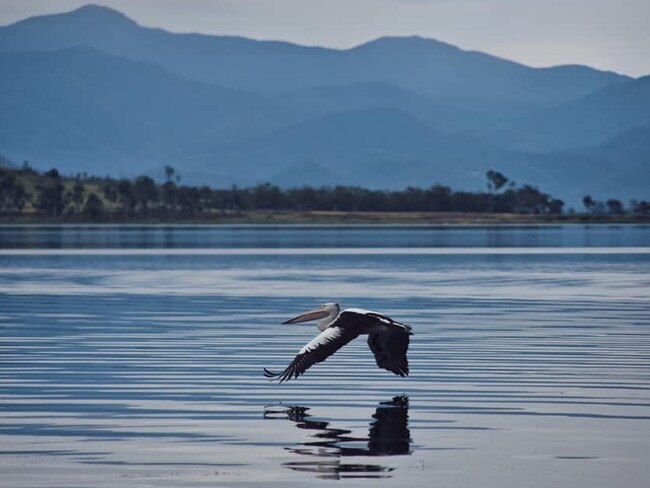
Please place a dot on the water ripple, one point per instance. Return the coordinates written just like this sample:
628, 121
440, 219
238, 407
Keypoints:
526, 370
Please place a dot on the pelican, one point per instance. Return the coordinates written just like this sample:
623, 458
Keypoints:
388, 339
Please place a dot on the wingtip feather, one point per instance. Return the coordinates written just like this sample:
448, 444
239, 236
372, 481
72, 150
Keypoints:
270, 374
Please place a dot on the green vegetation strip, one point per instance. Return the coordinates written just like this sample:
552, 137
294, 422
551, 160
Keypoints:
27, 196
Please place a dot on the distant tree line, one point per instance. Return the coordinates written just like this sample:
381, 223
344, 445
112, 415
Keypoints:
50, 194
613, 206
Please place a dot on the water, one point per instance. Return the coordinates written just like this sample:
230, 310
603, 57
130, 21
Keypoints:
132, 356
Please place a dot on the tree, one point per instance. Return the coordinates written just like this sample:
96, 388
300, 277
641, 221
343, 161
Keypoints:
267, 197
76, 195
125, 192
530, 200
168, 194
439, 198
238, 199
50, 200
94, 207
109, 189
145, 192
589, 203
496, 180
13, 196
26, 168
169, 173
555, 206
614, 207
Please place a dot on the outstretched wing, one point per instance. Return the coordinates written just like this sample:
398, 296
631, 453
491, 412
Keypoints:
366, 318
318, 349
389, 345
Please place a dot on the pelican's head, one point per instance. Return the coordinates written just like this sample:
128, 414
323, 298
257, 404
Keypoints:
325, 311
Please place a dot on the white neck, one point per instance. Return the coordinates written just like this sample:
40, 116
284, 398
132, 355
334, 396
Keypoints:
324, 323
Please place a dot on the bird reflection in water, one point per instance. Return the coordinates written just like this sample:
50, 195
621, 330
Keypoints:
388, 436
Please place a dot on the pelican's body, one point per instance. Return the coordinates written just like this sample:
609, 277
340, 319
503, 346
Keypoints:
388, 339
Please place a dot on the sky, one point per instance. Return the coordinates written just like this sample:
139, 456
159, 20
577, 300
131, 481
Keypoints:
605, 34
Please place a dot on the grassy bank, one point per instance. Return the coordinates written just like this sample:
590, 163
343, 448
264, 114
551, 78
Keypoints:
334, 217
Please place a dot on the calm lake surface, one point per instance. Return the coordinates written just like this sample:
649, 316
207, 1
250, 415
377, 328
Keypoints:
132, 356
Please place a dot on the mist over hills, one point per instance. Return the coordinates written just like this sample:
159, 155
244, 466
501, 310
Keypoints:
91, 90
82, 109
596, 117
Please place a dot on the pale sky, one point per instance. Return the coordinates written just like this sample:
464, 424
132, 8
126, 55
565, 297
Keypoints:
605, 34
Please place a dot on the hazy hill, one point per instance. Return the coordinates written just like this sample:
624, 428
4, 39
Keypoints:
427, 66
91, 90
618, 167
594, 118
623, 162
82, 110
374, 147
323, 99
628, 148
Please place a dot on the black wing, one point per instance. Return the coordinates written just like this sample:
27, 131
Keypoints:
389, 345
318, 349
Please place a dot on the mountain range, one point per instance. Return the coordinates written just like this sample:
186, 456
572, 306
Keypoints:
91, 90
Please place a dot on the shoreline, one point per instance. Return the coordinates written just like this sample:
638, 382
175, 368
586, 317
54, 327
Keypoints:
336, 218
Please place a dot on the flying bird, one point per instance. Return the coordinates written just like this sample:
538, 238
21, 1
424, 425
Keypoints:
388, 339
